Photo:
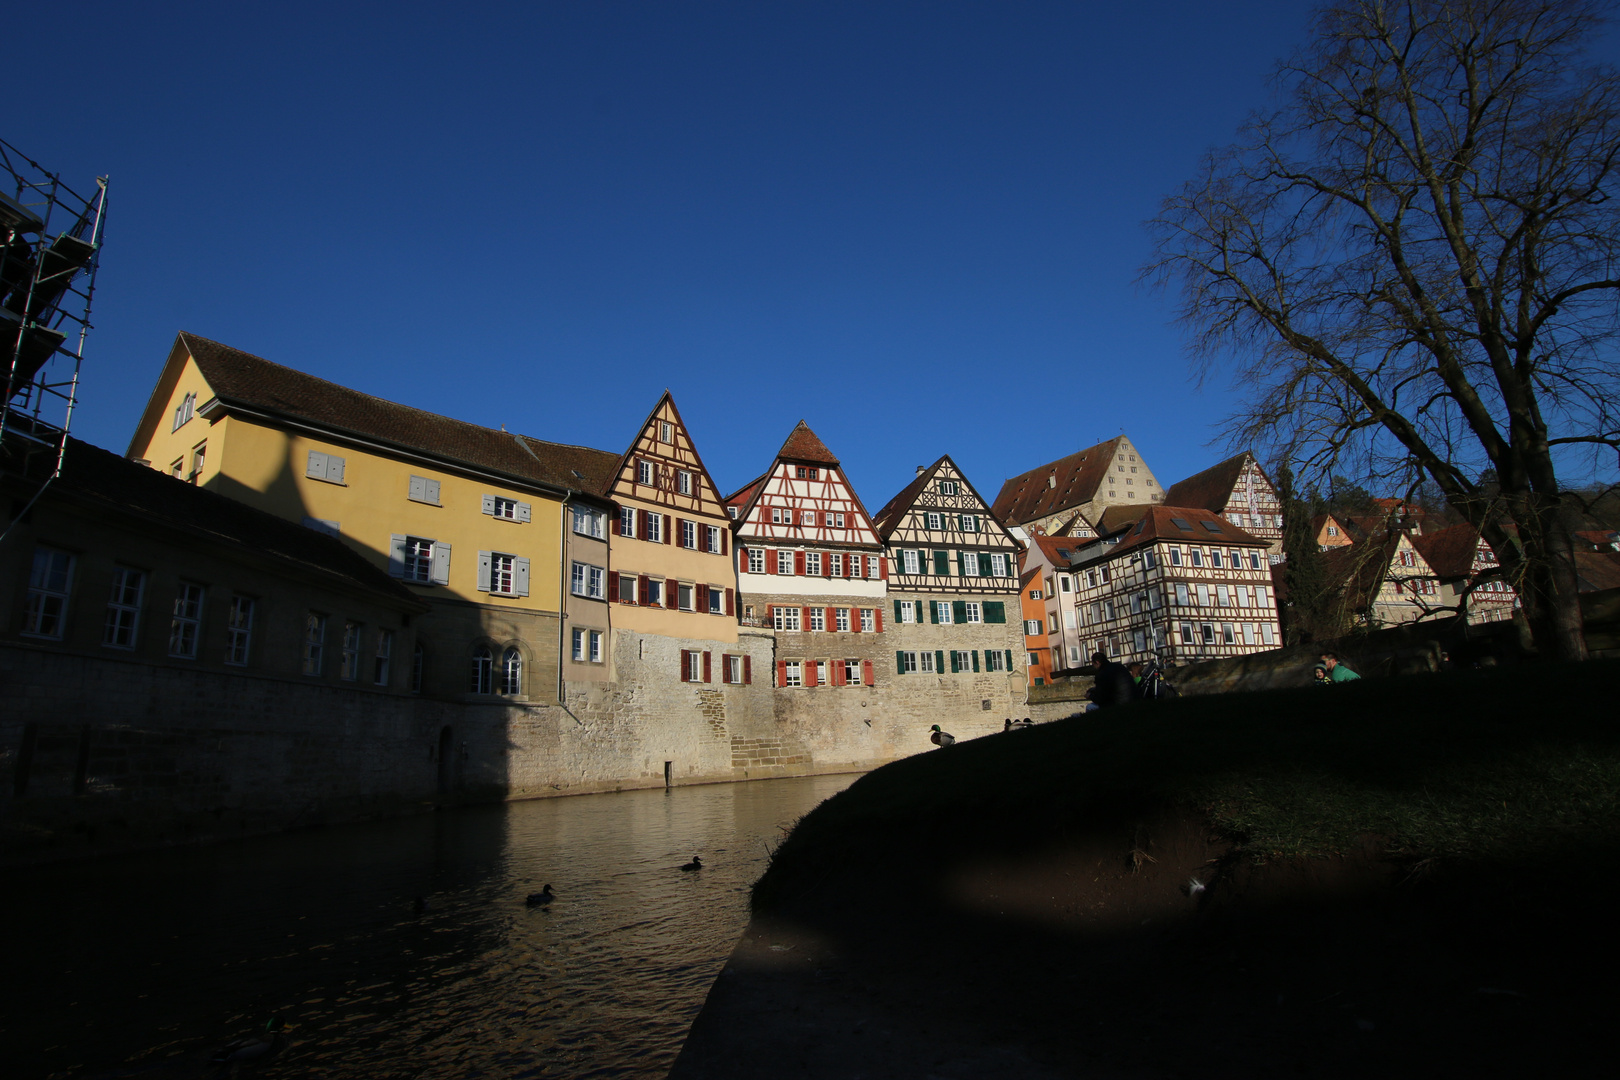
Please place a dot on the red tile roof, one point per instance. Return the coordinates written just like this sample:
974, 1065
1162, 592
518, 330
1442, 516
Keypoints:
1598, 570
1165, 523
1449, 552
1077, 477
1058, 550
802, 445
242, 379
1210, 489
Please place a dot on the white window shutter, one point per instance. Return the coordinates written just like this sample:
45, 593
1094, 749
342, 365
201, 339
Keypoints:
417, 489
489, 505
441, 563
520, 576
396, 556
317, 465
485, 558
523, 515
430, 488
334, 468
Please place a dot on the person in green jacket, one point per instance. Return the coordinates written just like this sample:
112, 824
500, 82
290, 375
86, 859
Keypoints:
1337, 672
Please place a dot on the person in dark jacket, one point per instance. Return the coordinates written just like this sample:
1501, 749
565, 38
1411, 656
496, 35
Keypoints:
1112, 685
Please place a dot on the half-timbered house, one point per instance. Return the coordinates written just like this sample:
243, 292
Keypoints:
1065, 497
810, 568
1238, 490
1468, 575
953, 591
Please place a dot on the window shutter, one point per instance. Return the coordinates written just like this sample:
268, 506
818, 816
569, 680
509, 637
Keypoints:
804, 619
316, 466
489, 505
706, 669
485, 561
678, 522
641, 524
959, 611
809, 673
866, 667
523, 509
956, 658
613, 585
883, 568
441, 563
961, 522
832, 619
798, 563
1009, 658
781, 673
975, 654
729, 610
939, 660
826, 566
995, 611
877, 616
432, 491
520, 576
724, 532
334, 468
669, 533
933, 612
770, 561
672, 594
618, 522
396, 556
686, 666
899, 663
416, 489
703, 598
835, 671
748, 670
942, 563
643, 587
897, 611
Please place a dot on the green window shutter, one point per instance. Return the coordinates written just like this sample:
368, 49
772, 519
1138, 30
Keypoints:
1009, 659
899, 663
942, 563
961, 522
933, 612
975, 654
955, 661
939, 661
995, 611
897, 613
959, 611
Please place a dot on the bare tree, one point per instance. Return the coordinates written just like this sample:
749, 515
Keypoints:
1415, 262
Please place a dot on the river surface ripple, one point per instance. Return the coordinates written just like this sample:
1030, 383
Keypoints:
142, 965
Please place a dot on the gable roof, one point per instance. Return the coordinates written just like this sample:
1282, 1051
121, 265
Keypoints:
629, 451
801, 441
1058, 550
1029, 495
1449, 552
1155, 522
1210, 489
91, 474
242, 380
894, 511
803, 445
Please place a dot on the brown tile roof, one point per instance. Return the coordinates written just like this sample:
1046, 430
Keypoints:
1058, 550
1599, 538
1114, 518
242, 379
1028, 496
1449, 552
802, 445
1210, 489
102, 478
1165, 523
895, 509
1598, 570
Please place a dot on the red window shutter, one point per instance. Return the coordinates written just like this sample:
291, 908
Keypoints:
805, 617
809, 673
644, 586
618, 523
748, 670
728, 603
854, 620
672, 597
706, 672
781, 673
703, 598
826, 565
613, 585
866, 670
669, 533
723, 533
798, 563
678, 522
770, 561
837, 672
877, 613
883, 568
832, 618
849, 566
645, 524
686, 666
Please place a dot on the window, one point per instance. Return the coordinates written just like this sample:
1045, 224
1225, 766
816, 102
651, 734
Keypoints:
806, 472
418, 667
872, 570
1215, 557
717, 598
596, 646
841, 619
1035, 594
483, 671
502, 579
784, 562
655, 593
666, 432
587, 580
177, 467
852, 672
1227, 636
970, 522
379, 663
683, 482
198, 453
627, 521
974, 614
834, 521
183, 411
948, 487
1223, 596
349, 668
835, 565
314, 643
908, 662
942, 611
1208, 632
418, 559
421, 489
579, 644
818, 618
1254, 560
627, 588
926, 663
327, 467
756, 561
934, 522
238, 630
1266, 633
963, 661
780, 516
1032, 627
969, 562
995, 660
908, 611
908, 561
123, 608
712, 533
512, 672
732, 510
1197, 557
644, 473
807, 517
868, 620
655, 528
1175, 556
683, 596
588, 522
1107, 576
792, 673
812, 564
689, 535
785, 618
1182, 599
998, 565
733, 668
183, 629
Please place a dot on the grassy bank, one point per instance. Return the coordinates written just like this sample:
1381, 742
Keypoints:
1461, 767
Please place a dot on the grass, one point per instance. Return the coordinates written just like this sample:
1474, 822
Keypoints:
1499, 764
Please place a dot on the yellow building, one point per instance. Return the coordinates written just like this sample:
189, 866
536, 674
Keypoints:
481, 524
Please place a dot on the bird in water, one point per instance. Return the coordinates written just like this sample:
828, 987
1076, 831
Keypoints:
541, 898
942, 738
251, 1047
695, 864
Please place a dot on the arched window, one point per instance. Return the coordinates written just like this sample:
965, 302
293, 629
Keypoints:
512, 672
483, 670
418, 668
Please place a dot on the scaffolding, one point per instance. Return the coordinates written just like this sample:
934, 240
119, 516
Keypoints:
50, 247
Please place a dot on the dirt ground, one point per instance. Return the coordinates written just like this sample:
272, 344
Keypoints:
1149, 953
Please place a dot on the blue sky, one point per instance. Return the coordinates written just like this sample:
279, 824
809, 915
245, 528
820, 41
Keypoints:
917, 226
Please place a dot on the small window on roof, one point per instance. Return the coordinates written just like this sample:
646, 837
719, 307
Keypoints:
1181, 524
1140, 525
1212, 526
1063, 553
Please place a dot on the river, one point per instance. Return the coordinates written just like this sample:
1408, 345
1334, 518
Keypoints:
142, 965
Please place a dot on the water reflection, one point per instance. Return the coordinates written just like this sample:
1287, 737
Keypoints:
142, 965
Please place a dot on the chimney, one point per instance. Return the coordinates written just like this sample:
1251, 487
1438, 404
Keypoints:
921, 469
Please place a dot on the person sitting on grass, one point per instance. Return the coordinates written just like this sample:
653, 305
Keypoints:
1336, 671
1112, 684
